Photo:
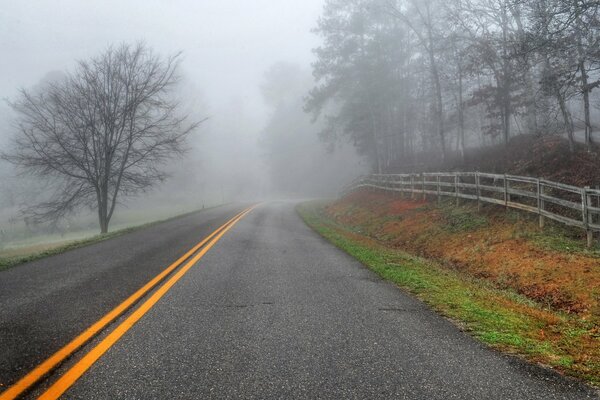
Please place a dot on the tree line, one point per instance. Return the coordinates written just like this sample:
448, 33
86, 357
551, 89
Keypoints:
407, 77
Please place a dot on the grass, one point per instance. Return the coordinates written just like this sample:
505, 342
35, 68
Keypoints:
461, 220
12, 257
27, 254
565, 239
500, 318
555, 236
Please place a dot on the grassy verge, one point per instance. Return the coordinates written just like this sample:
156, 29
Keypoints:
500, 318
10, 258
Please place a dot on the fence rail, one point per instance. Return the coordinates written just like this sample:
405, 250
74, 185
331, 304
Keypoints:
570, 205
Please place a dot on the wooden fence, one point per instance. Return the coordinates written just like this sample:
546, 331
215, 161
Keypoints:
566, 204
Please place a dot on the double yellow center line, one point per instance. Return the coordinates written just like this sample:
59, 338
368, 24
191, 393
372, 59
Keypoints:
79, 368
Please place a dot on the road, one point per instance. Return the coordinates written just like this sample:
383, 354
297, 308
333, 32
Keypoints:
271, 311
44, 304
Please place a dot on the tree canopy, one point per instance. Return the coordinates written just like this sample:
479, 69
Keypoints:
407, 80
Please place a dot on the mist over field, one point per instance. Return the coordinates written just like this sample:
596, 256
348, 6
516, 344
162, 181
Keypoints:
251, 146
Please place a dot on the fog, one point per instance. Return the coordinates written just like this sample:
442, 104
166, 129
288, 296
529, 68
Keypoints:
293, 99
242, 152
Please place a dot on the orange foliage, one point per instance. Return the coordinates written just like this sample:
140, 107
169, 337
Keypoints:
564, 281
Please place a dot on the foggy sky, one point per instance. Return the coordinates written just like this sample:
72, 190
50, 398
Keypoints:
227, 44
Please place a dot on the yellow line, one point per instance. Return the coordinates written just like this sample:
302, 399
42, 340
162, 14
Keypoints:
53, 361
77, 370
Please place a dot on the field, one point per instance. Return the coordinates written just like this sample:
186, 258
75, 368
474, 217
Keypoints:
24, 245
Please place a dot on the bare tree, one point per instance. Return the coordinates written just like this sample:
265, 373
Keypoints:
101, 133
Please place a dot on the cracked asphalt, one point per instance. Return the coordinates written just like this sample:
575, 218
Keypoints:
273, 311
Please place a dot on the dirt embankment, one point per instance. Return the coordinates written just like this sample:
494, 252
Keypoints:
504, 247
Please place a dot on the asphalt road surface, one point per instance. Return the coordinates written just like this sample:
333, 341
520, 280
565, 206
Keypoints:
272, 311
46, 303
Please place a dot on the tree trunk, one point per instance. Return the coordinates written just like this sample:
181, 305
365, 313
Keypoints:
439, 102
505, 81
531, 105
103, 217
461, 116
436, 82
103, 225
586, 105
375, 141
568, 120
584, 77
506, 113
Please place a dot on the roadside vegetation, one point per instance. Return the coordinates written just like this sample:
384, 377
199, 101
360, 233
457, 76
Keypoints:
518, 289
13, 257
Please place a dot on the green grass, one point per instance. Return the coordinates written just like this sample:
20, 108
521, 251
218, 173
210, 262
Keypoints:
12, 261
499, 318
555, 236
461, 219
565, 239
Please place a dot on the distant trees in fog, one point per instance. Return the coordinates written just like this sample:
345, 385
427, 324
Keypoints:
296, 160
401, 77
102, 132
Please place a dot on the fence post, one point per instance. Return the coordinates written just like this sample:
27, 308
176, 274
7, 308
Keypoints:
400, 185
412, 186
597, 206
584, 209
505, 192
456, 189
423, 186
478, 189
439, 199
597, 202
590, 232
540, 203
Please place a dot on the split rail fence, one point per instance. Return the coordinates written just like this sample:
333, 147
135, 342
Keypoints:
569, 205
